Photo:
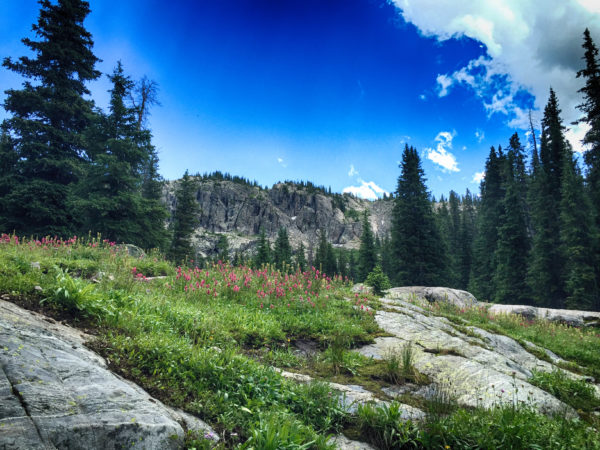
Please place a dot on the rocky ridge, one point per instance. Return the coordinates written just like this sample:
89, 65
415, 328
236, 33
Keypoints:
239, 211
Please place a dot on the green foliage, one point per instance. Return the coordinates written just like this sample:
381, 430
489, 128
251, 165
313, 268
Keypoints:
419, 255
47, 120
184, 219
577, 393
378, 281
282, 253
263, 252
367, 255
386, 428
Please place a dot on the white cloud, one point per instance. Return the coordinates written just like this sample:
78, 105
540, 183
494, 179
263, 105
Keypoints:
440, 155
352, 171
281, 162
480, 135
575, 134
478, 177
530, 48
368, 190
423, 97
444, 82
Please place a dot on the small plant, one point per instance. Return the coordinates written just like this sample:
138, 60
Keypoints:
386, 428
74, 295
378, 280
577, 393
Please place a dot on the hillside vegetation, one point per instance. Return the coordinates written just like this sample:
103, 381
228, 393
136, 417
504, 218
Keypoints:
207, 340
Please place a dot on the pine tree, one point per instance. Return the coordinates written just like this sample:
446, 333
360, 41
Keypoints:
386, 259
467, 235
8, 176
366, 253
545, 274
488, 219
110, 198
415, 237
324, 256
576, 226
263, 251
48, 119
282, 253
511, 255
342, 262
591, 110
300, 257
453, 239
184, 219
223, 249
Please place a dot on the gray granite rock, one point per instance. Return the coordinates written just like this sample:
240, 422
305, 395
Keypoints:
56, 393
455, 297
570, 317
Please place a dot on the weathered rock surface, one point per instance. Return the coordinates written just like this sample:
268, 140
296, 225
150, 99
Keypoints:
239, 211
473, 366
341, 442
352, 396
455, 297
571, 317
55, 393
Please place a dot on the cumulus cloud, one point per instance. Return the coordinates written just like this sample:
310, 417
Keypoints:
530, 47
367, 190
440, 155
478, 177
352, 171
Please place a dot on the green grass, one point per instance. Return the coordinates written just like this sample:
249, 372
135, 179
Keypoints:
206, 340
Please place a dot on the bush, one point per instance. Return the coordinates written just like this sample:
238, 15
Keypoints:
378, 280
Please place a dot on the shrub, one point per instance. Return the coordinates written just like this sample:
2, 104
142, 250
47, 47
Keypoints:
378, 280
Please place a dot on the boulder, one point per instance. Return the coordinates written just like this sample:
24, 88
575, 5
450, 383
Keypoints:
570, 317
456, 297
56, 393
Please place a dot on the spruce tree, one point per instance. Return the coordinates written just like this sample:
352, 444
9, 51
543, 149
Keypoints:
467, 235
488, 219
511, 255
366, 253
110, 198
300, 257
184, 219
263, 250
48, 117
419, 256
342, 262
8, 176
386, 258
576, 225
453, 239
591, 114
282, 253
223, 249
545, 274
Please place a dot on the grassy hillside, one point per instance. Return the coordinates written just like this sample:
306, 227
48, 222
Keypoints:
207, 341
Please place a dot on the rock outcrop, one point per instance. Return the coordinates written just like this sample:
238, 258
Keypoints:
456, 297
56, 393
570, 317
469, 365
240, 211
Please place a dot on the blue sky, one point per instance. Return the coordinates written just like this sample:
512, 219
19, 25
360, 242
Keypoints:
331, 91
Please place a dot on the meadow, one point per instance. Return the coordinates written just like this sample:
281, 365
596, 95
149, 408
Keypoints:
208, 340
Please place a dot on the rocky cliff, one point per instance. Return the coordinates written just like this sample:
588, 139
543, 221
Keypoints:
240, 210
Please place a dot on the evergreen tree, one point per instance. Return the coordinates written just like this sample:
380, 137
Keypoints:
263, 251
324, 256
416, 242
300, 257
511, 255
366, 253
453, 239
342, 262
575, 235
352, 265
545, 272
110, 198
591, 110
48, 119
282, 253
184, 219
386, 259
223, 249
488, 219
467, 235
8, 178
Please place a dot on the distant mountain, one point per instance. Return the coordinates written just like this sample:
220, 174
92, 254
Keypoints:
239, 209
